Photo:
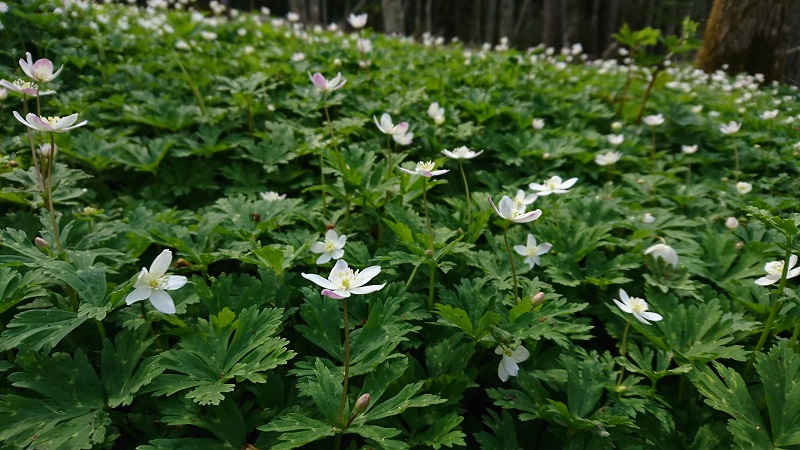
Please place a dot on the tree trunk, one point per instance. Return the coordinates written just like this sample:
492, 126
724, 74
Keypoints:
314, 16
747, 35
477, 13
429, 16
490, 21
393, 17
507, 19
553, 29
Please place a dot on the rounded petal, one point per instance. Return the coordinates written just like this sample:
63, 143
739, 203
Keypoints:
323, 258
521, 250
341, 241
498, 350
175, 282
138, 294
649, 315
386, 122
792, 261
335, 294
19, 118
501, 372
366, 275
162, 302
161, 264
766, 281
544, 248
318, 280
623, 306
337, 254
531, 240
439, 172
317, 247
793, 273
65, 122
520, 354
529, 217
569, 183
331, 234
367, 289
140, 280
536, 187
510, 366
505, 207
37, 123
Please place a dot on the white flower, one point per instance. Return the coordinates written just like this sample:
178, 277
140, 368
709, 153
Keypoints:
3, 94
324, 85
531, 251
537, 124
520, 201
509, 211
766, 115
331, 248
616, 126
387, 127
3, 8
343, 282
208, 35
509, 365
40, 71
461, 153
436, 113
364, 45
154, 283
298, 56
292, 17
271, 196
665, 252
731, 128
615, 139
53, 124
403, 139
697, 109
774, 271
655, 120
636, 306
425, 168
553, 186
180, 44
648, 218
607, 159
731, 223
357, 20
744, 187
689, 149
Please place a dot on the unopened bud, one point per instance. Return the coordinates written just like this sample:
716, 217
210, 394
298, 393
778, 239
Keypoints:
41, 244
428, 252
46, 149
616, 126
537, 299
337, 62
546, 156
362, 403
732, 223
739, 245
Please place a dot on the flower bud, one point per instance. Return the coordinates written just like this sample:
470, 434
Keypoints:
45, 150
731, 223
337, 62
429, 252
739, 245
362, 403
616, 126
537, 299
41, 244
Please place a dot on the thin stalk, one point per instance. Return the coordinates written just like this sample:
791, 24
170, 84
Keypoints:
196, 92
623, 350
795, 334
39, 175
511, 258
101, 329
340, 160
624, 93
653, 151
346, 364
411, 277
736, 159
466, 188
772, 313
427, 217
49, 193
647, 95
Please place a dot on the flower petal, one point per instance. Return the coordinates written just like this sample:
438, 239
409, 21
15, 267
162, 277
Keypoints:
505, 206
501, 372
544, 248
520, 354
410, 172
624, 297
640, 318
331, 234
367, 289
138, 294
766, 281
623, 306
317, 247
162, 302
366, 275
531, 241
528, 217
335, 294
161, 264
175, 282
318, 280
792, 261
569, 183
323, 258
510, 366
521, 250
649, 315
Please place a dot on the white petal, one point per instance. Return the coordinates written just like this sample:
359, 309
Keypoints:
640, 318
792, 261
367, 274
510, 366
505, 207
318, 280
498, 350
623, 306
528, 217
531, 241
332, 235
175, 282
544, 248
138, 294
335, 294
323, 258
624, 297
655, 317
501, 372
532, 261
141, 280
521, 249
367, 289
410, 172
793, 273
341, 241
317, 247
766, 281
337, 254
161, 264
338, 267
520, 354
569, 183
162, 302
536, 187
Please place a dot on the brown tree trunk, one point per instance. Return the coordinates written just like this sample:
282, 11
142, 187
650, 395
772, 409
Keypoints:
553, 23
477, 13
747, 35
490, 21
314, 12
393, 16
507, 19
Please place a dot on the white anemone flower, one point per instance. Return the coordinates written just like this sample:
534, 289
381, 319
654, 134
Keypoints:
387, 127
436, 113
40, 71
615, 139
403, 139
461, 153
636, 306
689, 149
154, 283
730, 128
343, 281
520, 201
607, 159
553, 186
744, 187
509, 365
331, 248
531, 251
774, 271
766, 115
537, 124
324, 85
425, 168
655, 120
507, 210
665, 252
357, 20
271, 196
53, 124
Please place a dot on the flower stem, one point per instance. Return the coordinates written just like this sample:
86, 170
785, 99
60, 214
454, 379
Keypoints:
427, 216
49, 193
736, 160
795, 334
346, 364
411, 277
653, 151
466, 188
39, 174
196, 92
431, 285
623, 350
511, 258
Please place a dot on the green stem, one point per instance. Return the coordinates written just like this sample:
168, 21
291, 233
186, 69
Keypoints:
466, 188
49, 193
427, 217
251, 126
511, 258
346, 364
653, 151
795, 334
101, 329
196, 92
736, 159
623, 350
411, 277
39, 174
431, 285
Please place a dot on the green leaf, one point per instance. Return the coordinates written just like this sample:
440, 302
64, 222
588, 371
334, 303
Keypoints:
224, 420
186, 444
297, 430
504, 433
444, 433
322, 330
40, 329
779, 375
379, 436
15, 288
326, 390
403, 400
66, 411
122, 373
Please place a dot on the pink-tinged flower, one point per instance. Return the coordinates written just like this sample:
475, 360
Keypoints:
531, 251
636, 306
154, 283
509, 365
553, 186
461, 153
40, 71
324, 85
53, 124
343, 282
774, 271
507, 210
731, 128
24, 87
331, 248
665, 252
425, 169
403, 139
357, 20
520, 201
387, 127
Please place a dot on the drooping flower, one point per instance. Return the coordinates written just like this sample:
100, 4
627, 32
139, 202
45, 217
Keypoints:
744, 187
553, 186
615, 139
322, 84
509, 365
387, 127
689, 149
357, 21
507, 210
154, 283
665, 252
531, 251
774, 271
40, 71
53, 124
654, 121
607, 159
331, 248
636, 306
461, 153
425, 168
730, 128
343, 282
24, 87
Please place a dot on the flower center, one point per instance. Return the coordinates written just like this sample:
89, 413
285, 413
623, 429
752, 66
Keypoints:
330, 245
638, 305
157, 283
775, 268
508, 352
51, 120
344, 278
532, 251
551, 185
427, 166
22, 84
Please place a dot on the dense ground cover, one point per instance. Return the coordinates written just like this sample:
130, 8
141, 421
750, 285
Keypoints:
628, 306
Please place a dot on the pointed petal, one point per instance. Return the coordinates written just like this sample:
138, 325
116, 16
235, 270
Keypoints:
366, 275
655, 317
367, 289
77, 126
569, 183
449, 154
640, 318
175, 282
318, 280
379, 125
792, 261
410, 172
162, 302
138, 294
20, 119
37, 123
65, 122
529, 217
624, 296
623, 306
161, 264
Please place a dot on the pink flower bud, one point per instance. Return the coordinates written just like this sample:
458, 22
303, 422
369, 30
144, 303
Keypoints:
41, 244
362, 403
537, 299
